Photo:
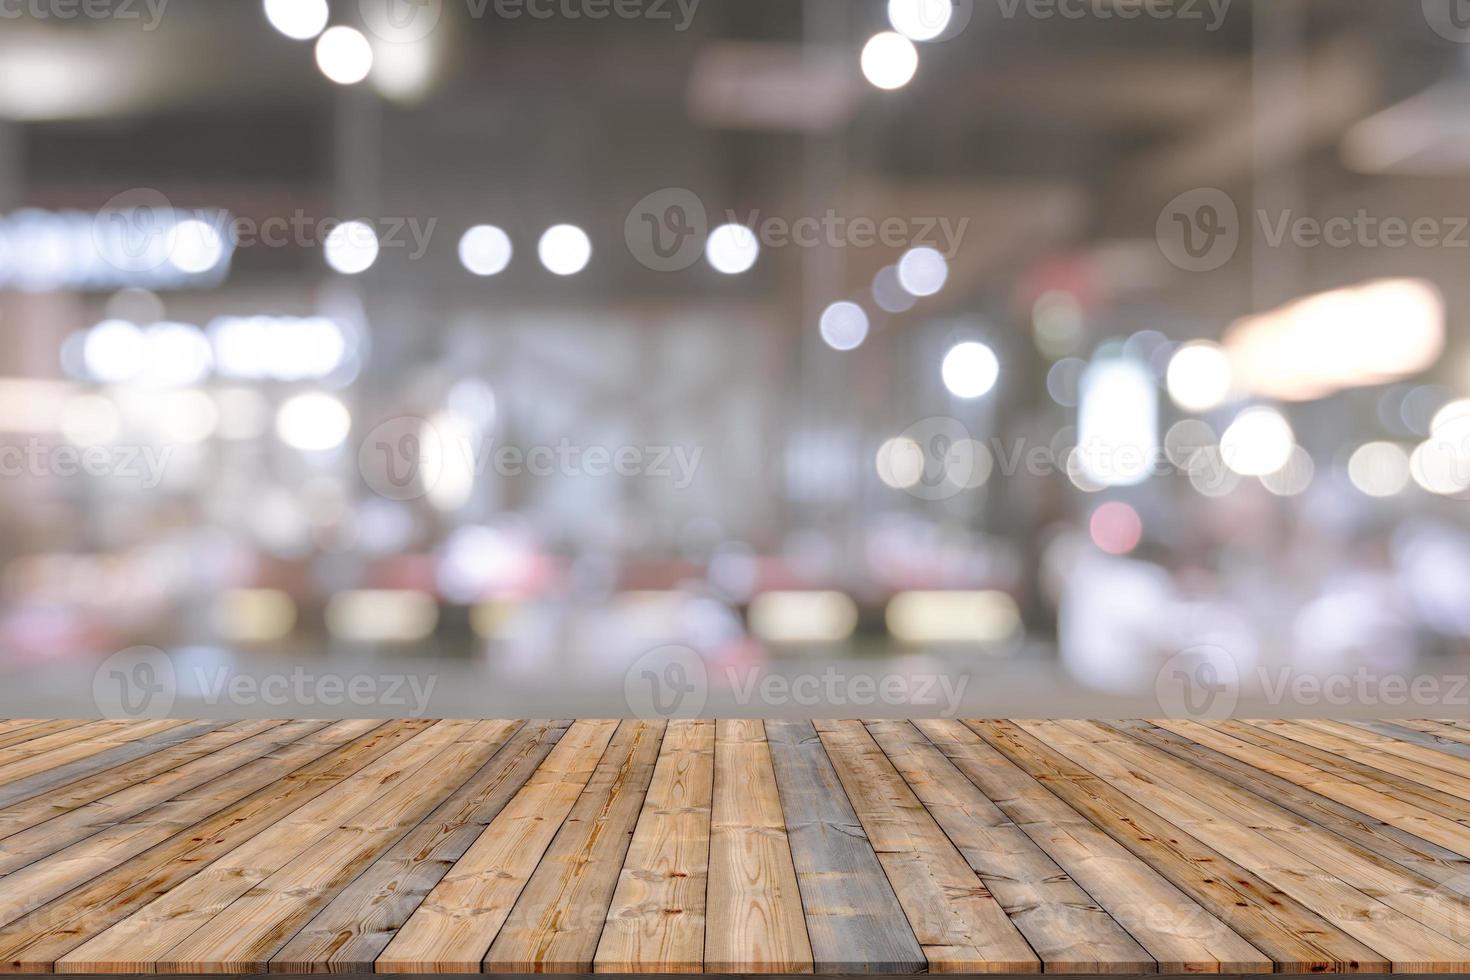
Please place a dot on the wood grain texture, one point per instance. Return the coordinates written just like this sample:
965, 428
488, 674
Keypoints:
656, 921
556, 923
348, 935
959, 924
853, 919
754, 921
735, 847
453, 929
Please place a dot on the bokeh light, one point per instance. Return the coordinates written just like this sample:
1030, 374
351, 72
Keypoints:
1115, 527
970, 369
1199, 376
844, 325
485, 250
344, 55
889, 60
351, 247
1258, 442
564, 250
300, 20
920, 20
731, 249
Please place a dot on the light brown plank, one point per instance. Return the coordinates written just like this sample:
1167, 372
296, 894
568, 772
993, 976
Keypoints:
50, 876
959, 924
454, 927
754, 920
137, 943
45, 824
1178, 932
558, 919
49, 790
853, 918
206, 822
1416, 838
348, 935
245, 935
656, 922
1067, 929
1203, 807
1296, 937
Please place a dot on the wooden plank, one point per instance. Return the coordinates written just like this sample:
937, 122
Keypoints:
85, 744
754, 921
959, 924
102, 768
1442, 732
210, 820
556, 923
1426, 767
244, 936
1181, 935
1297, 938
853, 918
348, 935
453, 929
69, 866
136, 943
29, 732
656, 921
47, 823
1409, 732
1374, 820
1294, 745
1067, 929
1312, 867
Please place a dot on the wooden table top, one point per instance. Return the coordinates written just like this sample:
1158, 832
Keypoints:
734, 846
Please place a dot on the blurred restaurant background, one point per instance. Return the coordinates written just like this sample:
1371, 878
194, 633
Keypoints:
1037, 343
